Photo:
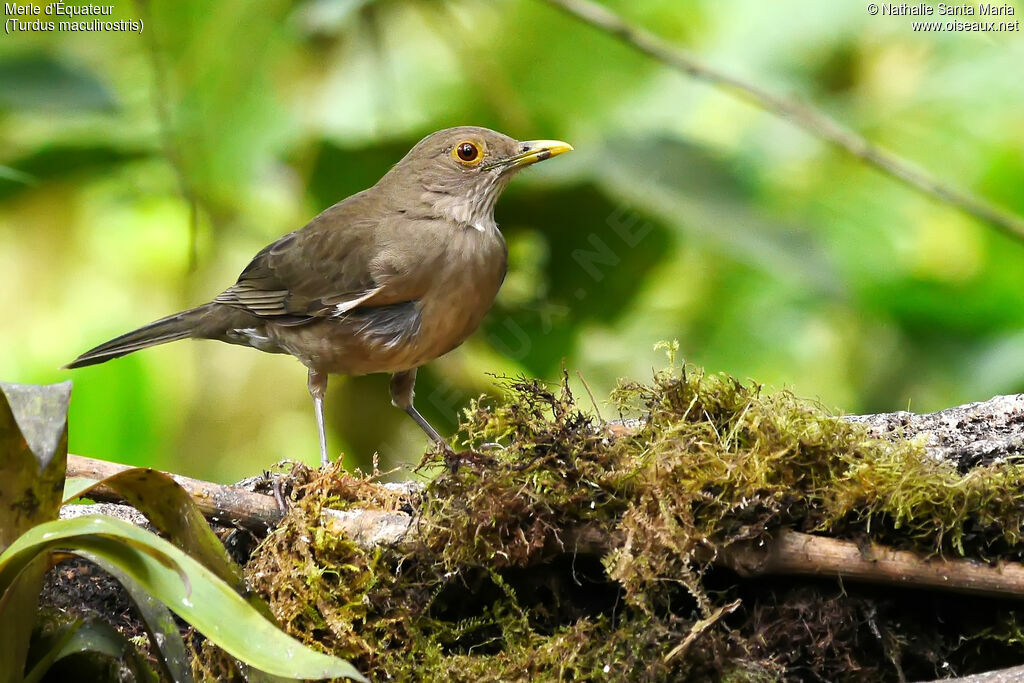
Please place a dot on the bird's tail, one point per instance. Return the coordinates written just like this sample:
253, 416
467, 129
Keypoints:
172, 328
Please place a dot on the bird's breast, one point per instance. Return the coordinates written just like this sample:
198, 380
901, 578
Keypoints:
460, 290
464, 290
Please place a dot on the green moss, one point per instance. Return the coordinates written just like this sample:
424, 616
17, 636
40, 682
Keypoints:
580, 551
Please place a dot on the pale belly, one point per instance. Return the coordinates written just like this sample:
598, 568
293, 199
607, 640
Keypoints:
386, 339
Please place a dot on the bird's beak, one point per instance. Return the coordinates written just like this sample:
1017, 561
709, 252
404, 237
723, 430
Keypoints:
532, 152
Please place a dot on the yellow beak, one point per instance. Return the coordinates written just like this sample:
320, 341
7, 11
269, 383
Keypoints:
533, 151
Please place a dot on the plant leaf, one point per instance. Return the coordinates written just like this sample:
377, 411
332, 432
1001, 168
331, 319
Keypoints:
33, 452
20, 598
55, 644
40, 82
173, 512
204, 600
95, 637
16, 176
59, 162
75, 486
160, 625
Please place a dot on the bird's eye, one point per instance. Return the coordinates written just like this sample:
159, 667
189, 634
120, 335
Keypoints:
467, 152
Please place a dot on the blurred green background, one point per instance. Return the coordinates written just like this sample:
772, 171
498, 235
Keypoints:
139, 173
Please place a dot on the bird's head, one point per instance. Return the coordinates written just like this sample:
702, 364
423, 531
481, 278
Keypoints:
459, 173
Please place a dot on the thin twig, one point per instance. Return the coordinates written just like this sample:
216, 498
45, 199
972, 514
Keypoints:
809, 119
702, 627
593, 400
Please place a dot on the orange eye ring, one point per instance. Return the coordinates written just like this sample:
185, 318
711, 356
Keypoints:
467, 153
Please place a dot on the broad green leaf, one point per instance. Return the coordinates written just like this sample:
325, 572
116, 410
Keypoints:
33, 448
202, 598
16, 176
173, 512
20, 597
74, 487
164, 636
41, 82
91, 637
62, 161
54, 645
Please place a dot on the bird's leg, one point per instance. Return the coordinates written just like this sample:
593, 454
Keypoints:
402, 384
317, 384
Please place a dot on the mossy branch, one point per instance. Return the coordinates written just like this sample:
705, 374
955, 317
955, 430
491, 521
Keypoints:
791, 553
808, 118
960, 435
588, 547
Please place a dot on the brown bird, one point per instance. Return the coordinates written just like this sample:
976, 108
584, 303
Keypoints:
383, 281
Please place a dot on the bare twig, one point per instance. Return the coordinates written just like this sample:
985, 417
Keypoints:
795, 554
702, 627
811, 120
593, 401
226, 504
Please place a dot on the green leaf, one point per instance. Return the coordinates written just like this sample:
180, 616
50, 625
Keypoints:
173, 512
252, 675
55, 644
18, 605
163, 632
201, 598
96, 637
62, 161
40, 82
16, 176
33, 450
74, 487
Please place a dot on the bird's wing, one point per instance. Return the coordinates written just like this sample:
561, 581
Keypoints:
323, 270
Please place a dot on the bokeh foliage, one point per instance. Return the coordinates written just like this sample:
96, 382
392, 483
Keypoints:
140, 172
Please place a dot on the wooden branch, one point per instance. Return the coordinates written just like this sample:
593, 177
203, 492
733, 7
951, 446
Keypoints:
808, 118
231, 505
966, 435
226, 505
1012, 675
793, 553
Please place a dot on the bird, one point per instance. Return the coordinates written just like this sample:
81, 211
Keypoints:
384, 281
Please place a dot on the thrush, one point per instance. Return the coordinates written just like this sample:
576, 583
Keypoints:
383, 281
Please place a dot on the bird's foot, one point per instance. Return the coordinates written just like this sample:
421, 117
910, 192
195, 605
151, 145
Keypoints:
470, 458
453, 459
282, 504
441, 449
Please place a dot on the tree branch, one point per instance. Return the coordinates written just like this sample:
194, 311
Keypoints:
792, 553
227, 505
965, 436
811, 120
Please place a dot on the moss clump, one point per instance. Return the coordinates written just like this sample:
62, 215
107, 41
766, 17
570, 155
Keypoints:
579, 550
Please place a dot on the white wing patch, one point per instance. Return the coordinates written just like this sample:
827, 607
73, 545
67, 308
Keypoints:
347, 305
